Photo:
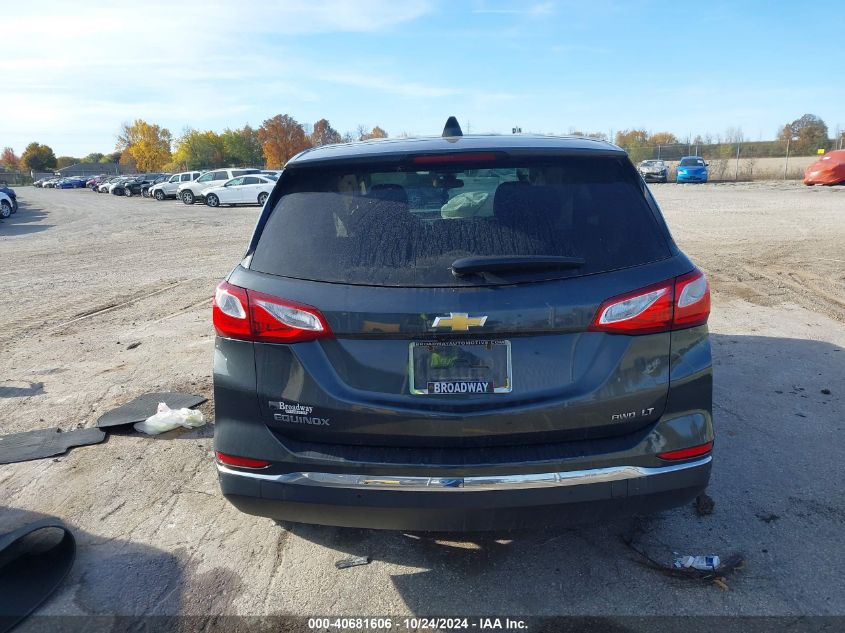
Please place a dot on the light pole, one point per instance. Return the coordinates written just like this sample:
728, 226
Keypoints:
786, 162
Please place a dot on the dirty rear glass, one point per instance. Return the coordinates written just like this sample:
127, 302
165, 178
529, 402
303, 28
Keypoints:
401, 225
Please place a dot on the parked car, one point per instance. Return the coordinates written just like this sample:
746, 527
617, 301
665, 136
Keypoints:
828, 170
50, 183
137, 185
462, 333
6, 206
252, 189
13, 197
692, 169
653, 171
118, 184
274, 173
70, 183
169, 187
39, 183
190, 192
103, 185
145, 188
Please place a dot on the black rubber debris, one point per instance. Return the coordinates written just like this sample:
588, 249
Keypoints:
21, 447
34, 561
352, 562
144, 406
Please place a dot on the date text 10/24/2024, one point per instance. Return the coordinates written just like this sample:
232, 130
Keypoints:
416, 624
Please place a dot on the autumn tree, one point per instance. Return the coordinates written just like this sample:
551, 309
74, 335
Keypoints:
9, 160
324, 134
148, 145
663, 138
808, 134
38, 157
241, 147
635, 142
376, 132
282, 137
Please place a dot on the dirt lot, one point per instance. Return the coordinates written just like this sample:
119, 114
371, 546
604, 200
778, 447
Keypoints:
85, 276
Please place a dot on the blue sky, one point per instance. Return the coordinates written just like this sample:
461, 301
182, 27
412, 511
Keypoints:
73, 71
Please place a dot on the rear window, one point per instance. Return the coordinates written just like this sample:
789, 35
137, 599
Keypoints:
404, 226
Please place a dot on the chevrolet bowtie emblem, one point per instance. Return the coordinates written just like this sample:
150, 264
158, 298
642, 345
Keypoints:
459, 321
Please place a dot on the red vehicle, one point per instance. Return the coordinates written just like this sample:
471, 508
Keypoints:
828, 170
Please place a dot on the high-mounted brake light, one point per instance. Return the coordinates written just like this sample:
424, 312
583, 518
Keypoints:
439, 159
240, 462
687, 453
248, 315
674, 304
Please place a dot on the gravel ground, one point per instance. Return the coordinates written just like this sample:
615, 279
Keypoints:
85, 276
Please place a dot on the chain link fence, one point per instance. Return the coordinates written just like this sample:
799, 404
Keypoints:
740, 161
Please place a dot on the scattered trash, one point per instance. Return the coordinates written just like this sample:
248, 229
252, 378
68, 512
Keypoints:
702, 563
352, 562
768, 517
167, 419
704, 504
146, 405
21, 447
133, 345
716, 573
826, 392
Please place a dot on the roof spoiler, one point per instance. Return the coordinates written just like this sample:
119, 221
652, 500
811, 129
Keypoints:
452, 128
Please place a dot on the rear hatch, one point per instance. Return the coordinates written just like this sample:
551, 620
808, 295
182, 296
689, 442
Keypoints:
452, 301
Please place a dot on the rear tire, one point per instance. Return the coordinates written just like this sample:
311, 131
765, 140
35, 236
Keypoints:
159, 195
128, 193
262, 198
212, 200
14, 206
5, 209
188, 197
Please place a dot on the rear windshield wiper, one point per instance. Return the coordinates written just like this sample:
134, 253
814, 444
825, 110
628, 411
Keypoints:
513, 263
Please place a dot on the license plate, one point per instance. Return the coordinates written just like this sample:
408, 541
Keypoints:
460, 367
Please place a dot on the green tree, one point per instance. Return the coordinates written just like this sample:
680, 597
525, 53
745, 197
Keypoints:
93, 157
241, 147
808, 134
147, 144
38, 157
65, 161
198, 150
324, 134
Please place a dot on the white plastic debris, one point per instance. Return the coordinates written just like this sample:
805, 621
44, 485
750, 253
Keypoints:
167, 419
703, 563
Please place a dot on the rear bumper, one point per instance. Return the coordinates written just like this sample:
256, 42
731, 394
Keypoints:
464, 504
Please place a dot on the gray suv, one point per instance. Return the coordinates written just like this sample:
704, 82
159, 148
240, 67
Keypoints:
462, 333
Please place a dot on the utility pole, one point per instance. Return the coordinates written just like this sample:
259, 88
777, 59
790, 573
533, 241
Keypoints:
786, 162
736, 173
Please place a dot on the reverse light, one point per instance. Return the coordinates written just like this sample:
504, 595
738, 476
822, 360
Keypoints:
240, 462
248, 315
687, 453
674, 304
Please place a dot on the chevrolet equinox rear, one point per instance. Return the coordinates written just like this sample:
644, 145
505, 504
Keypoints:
462, 333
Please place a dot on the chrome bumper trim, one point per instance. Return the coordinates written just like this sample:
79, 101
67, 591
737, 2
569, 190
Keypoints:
483, 482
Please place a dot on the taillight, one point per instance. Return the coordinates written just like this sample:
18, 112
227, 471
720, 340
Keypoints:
230, 312
248, 315
240, 462
687, 453
674, 304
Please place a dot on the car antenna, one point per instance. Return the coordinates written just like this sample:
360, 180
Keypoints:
452, 128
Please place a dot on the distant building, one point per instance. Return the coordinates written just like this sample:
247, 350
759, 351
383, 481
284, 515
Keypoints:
89, 169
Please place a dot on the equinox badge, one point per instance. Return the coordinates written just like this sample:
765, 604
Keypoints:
459, 321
